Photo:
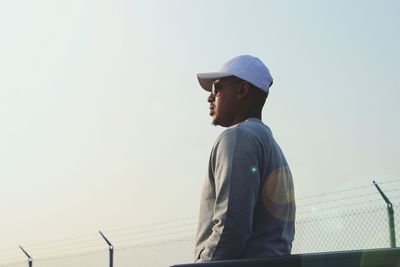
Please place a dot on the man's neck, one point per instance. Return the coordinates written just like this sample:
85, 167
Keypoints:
243, 117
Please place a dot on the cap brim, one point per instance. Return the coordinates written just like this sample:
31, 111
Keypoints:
206, 79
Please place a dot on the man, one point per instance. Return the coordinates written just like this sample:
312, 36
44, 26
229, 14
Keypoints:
247, 206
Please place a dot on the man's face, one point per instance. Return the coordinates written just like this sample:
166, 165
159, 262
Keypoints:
223, 101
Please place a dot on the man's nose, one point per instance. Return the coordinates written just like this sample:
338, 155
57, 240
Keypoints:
211, 98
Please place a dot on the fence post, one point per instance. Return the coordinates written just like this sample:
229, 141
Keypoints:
111, 249
392, 230
30, 260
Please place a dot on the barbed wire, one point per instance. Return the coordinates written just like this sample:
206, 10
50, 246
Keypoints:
389, 182
157, 243
343, 215
349, 189
151, 225
11, 259
68, 254
392, 190
334, 192
7, 249
65, 245
136, 231
335, 200
70, 248
348, 198
85, 241
71, 253
55, 242
339, 206
15, 250
156, 236
61, 252
11, 262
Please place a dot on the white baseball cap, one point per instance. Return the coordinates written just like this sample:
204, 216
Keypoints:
245, 67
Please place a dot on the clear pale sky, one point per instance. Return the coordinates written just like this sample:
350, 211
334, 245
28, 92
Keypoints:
103, 123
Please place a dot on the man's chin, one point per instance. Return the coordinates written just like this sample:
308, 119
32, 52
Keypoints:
215, 121
218, 122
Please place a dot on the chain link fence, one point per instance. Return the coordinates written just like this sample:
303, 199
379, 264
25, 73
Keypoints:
350, 219
362, 228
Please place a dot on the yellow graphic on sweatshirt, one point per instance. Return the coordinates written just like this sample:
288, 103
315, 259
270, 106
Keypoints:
278, 194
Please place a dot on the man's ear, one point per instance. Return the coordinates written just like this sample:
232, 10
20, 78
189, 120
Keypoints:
243, 90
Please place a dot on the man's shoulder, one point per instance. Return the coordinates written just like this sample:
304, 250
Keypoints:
253, 127
252, 123
248, 129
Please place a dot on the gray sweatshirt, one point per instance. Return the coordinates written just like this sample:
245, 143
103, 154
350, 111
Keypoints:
247, 206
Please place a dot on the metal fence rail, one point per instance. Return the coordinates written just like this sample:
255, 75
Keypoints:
365, 258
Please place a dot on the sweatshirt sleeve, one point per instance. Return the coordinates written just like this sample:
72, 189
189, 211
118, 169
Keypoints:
235, 165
